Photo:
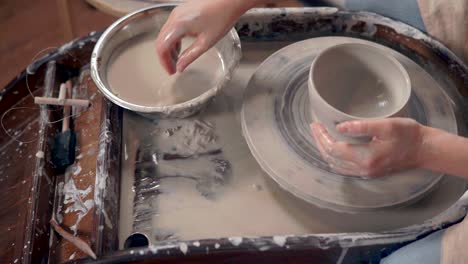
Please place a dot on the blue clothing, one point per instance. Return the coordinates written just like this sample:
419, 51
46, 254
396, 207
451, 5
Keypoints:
426, 250
406, 11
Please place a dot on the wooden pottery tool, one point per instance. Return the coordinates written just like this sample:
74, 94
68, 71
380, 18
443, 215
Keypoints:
63, 151
61, 100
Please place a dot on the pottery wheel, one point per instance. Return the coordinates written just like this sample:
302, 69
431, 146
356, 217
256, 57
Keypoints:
275, 123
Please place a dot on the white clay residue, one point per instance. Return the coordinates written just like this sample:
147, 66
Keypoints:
183, 247
136, 75
279, 240
264, 248
75, 201
40, 154
107, 221
76, 169
153, 249
236, 241
101, 176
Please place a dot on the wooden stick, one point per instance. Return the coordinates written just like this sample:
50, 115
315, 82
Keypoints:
55, 101
78, 242
69, 86
62, 92
66, 108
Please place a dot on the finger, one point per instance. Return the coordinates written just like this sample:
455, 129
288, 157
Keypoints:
315, 130
326, 157
345, 168
325, 143
166, 59
338, 165
193, 52
337, 150
175, 52
343, 158
168, 46
354, 153
322, 136
374, 128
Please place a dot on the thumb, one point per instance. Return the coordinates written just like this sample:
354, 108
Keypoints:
189, 55
168, 46
374, 128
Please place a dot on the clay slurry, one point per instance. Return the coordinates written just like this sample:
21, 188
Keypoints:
136, 75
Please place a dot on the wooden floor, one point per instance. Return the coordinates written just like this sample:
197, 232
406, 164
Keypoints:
27, 27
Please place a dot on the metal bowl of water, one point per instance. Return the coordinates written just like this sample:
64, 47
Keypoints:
150, 20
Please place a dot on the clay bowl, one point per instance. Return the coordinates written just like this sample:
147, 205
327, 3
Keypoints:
149, 21
356, 81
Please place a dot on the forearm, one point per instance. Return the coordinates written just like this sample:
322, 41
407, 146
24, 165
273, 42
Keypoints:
242, 6
252, 3
444, 152
236, 8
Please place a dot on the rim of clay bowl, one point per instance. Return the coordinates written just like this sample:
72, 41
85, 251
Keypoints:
401, 68
97, 69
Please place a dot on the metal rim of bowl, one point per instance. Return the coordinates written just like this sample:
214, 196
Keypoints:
96, 70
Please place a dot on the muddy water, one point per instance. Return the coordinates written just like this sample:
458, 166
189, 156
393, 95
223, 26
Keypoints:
136, 75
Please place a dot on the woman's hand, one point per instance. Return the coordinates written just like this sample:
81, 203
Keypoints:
206, 21
396, 145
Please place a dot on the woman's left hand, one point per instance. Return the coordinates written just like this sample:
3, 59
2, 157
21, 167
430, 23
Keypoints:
395, 146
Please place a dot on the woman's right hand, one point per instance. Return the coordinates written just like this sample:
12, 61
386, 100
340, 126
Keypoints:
397, 144
206, 21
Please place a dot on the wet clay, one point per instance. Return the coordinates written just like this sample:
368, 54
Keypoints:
136, 75
242, 200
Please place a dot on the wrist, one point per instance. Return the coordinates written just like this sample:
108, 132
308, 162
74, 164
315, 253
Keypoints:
426, 147
243, 6
236, 9
423, 146
239, 7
